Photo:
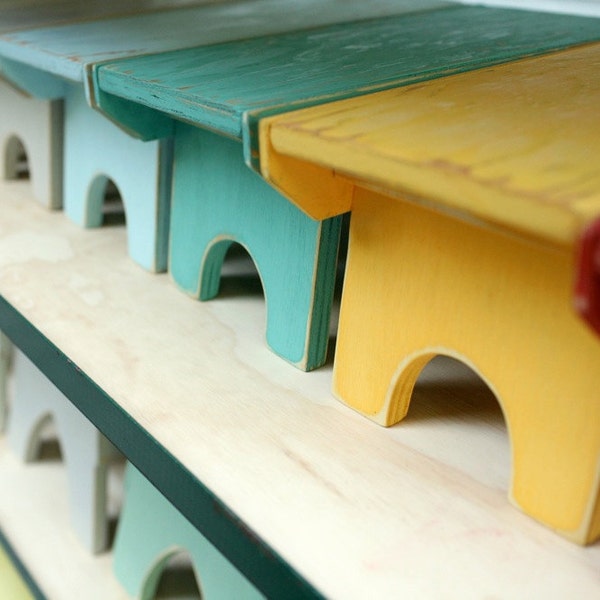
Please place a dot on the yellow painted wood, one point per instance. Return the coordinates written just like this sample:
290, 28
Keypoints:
11, 584
419, 284
516, 145
468, 195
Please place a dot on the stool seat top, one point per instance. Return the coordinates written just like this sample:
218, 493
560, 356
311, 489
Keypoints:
229, 87
16, 15
516, 145
158, 26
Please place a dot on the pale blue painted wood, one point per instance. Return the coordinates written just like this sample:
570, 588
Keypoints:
87, 453
47, 62
151, 531
227, 88
218, 200
96, 149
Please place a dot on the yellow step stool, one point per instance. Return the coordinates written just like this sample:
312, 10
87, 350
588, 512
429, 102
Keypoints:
475, 231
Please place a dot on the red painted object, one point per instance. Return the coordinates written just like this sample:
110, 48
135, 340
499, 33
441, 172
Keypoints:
587, 284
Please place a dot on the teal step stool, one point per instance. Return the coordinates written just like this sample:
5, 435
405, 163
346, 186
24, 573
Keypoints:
151, 531
53, 64
216, 96
87, 453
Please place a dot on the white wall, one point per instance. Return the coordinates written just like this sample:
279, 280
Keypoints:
579, 7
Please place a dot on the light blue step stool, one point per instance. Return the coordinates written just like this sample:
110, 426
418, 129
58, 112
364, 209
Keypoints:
54, 64
87, 453
151, 531
216, 96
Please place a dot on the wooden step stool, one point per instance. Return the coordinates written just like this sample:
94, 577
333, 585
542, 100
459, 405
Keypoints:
53, 65
152, 531
218, 94
87, 453
474, 234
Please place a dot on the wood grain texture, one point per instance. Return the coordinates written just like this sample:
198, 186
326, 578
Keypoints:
277, 73
515, 146
468, 195
151, 531
412, 510
66, 50
17, 15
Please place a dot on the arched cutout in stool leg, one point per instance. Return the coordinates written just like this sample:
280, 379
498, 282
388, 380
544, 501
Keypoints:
87, 453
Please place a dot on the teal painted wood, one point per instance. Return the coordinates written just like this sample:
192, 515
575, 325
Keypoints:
87, 453
151, 531
217, 200
68, 50
46, 62
229, 87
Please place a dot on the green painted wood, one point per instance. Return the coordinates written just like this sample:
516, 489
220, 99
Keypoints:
17, 15
68, 50
243, 547
229, 87
217, 200
151, 531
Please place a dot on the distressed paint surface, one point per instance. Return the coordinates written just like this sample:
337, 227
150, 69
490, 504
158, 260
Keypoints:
17, 15
223, 87
515, 145
66, 50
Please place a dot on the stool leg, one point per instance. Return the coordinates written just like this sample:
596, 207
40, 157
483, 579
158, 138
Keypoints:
151, 530
87, 453
38, 125
418, 284
217, 199
95, 147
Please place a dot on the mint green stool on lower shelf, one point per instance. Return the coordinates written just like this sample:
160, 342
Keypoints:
151, 531
87, 453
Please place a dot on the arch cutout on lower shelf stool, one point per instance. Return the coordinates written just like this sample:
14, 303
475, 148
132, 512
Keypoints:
152, 531
88, 456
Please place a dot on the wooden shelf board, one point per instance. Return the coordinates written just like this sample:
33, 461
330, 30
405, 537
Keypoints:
296, 486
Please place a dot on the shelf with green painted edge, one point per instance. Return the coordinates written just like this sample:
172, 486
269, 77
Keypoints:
60, 242
226, 87
259, 456
15, 580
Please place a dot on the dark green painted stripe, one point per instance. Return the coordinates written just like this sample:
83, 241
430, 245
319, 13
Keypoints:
21, 568
243, 547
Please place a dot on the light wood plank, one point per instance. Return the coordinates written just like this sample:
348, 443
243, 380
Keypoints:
416, 510
66, 50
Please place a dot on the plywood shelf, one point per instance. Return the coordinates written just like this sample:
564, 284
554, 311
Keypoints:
302, 494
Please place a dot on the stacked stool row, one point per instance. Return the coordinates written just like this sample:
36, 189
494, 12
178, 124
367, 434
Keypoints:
463, 156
